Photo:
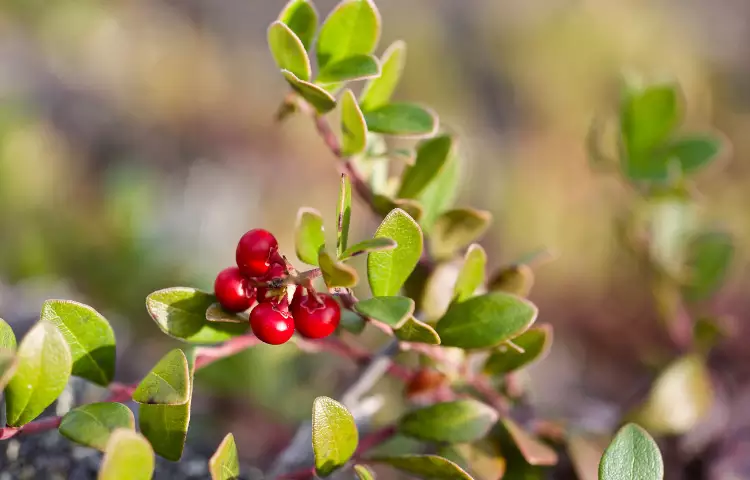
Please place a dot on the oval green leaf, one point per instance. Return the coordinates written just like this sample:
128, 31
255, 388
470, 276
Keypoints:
92, 425
353, 128
215, 313
181, 313
352, 28
384, 205
691, 153
393, 311
309, 235
632, 455
461, 421
89, 336
335, 273
302, 18
43, 369
534, 451
7, 337
8, 366
363, 473
515, 279
352, 322
485, 321
224, 463
356, 67
378, 91
535, 343
321, 101
431, 157
455, 229
127, 455
343, 214
428, 467
168, 383
402, 119
471, 276
709, 256
387, 271
367, 246
412, 330
441, 193
334, 435
288, 51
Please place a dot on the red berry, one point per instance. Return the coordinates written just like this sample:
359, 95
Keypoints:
232, 290
315, 318
255, 251
270, 324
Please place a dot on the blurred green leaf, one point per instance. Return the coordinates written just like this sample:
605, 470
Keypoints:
168, 383
92, 425
516, 279
535, 343
483, 460
632, 455
441, 192
669, 219
302, 18
457, 228
377, 92
459, 421
598, 159
352, 322
707, 332
127, 456
356, 67
363, 473
680, 398
393, 311
353, 128
533, 450
335, 273
431, 157
334, 435
215, 313
89, 336
288, 51
7, 337
585, 452
8, 365
428, 467
181, 313
352, 28
709, 255
388, 270
224, 463
691, 153
412, 330
43, 368
309, 235
321, 101
402, 119
485, 321
367, 246
384, 205
343, 214
471, 276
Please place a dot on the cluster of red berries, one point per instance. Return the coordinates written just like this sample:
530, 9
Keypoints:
273, 320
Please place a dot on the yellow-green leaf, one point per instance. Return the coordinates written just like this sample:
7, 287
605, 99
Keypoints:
709, 255
8, 366
457, 228
92, 424
343, 214
215, 313
393, 311
431, 157
366, 246
377, 92
412, 330
302, 18
321, 100
352, 28
334, 435
471, 276
535, 343
310, 236
353, 128
402, 119
288, 51
460, 421
224, 463
356, 67
7, 337
388, 270
168, 383
516, 279
363, 473
428, 467
335, 273
127, 456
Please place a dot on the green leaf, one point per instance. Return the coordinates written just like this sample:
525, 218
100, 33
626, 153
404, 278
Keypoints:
709, 256
127, 455
516, 279
535, 343
377, 92
7, 337
363, 473
353, 128
334, 435
460, 421
89, 336
708, 332
335, 273
343, 214
92, 425
534, 451
181, 313
367, 246
356, 67
384, 205
309, 237
457, 228
224, 463
387, 271
288, 51
485, 321
668, 221
352, 28
431, 157
441, 193
393, 311
8, 365
168, 383
412, 330
215, 313
632, 455
680, 398
402, 119
302, 18
352, 322
43, 369
428, 467
471, 276
483, 460
691, 153
320, 100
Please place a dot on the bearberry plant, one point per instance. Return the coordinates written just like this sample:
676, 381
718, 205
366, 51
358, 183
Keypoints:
468, 337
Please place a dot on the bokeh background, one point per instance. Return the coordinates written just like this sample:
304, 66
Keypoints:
138, 142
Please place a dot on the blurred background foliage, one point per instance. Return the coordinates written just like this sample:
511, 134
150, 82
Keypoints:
137, 143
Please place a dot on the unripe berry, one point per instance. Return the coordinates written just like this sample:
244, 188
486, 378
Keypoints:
255, 251
315, 318
270, 324
232, 290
